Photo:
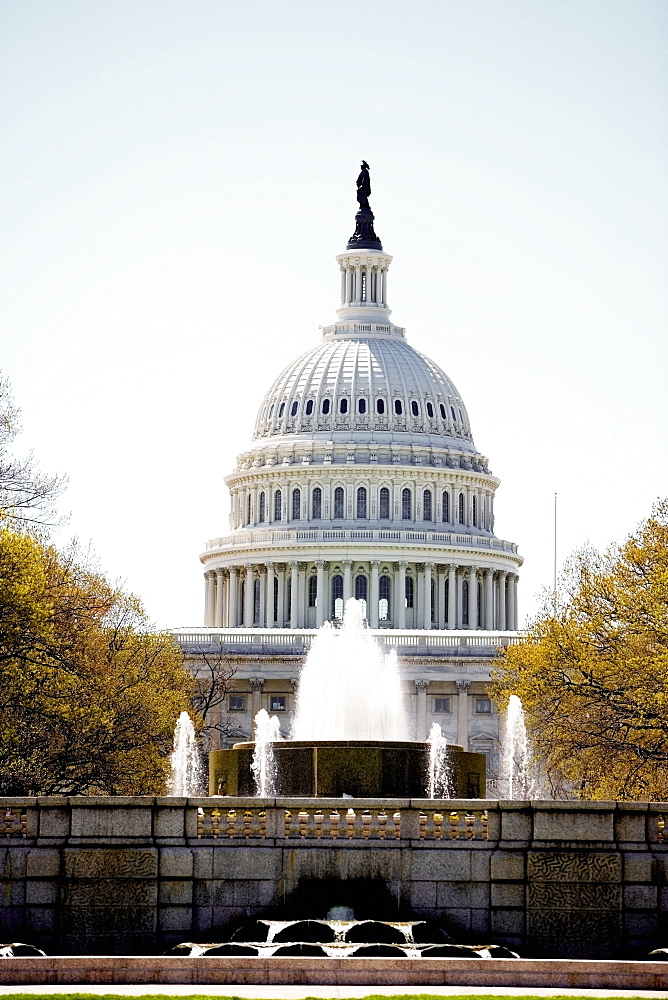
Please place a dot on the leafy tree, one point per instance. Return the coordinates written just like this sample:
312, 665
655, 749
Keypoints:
89, 694
592, 671
27, 495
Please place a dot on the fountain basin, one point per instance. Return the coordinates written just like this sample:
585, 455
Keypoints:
334, 768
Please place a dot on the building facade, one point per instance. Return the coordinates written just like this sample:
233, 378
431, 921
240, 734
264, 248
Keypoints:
363, 480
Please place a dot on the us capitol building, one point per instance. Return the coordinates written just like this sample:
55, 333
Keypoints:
362, 480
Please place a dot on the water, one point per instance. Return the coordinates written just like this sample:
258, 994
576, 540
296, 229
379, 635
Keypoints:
516, 770
439, 784
267, 732
349, 689
186, 775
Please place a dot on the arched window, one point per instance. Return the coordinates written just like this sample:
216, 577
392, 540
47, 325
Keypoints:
384, 595
312, 591
326, 406
256, 601
248, 509
317, 503
338, 503
406, 504
361, 591
465, 602
361, 405
430, 410
262, 512
409, 592
380, 406
460, 512
415, 409
309, 408
398, 409
294, 408
281, 410
343, 405
426, 506
361, 502
278, 500
474, 511
384, 504
446, 506
337, 597
296, 504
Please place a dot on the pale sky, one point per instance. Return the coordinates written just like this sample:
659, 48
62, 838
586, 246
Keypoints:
178, 176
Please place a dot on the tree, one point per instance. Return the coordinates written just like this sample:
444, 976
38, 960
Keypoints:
27, 495
212, 676
592, 672
89, 693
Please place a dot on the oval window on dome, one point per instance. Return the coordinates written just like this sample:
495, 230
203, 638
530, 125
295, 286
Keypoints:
281, 410
326, 406
398, 408
442, 409
415, 410
380, 406
271, 411
452, 411
343, 405
309, 408
294, 408
430, 410
361, 405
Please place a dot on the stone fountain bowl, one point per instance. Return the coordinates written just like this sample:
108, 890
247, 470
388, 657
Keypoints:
337, 768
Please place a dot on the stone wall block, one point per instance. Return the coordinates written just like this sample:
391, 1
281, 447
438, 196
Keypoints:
119, 862
507, 922
574, 821
175, 893
42, 893
246, 862
202, 862
640, 897
508, 894
169, 821
456, 921
40, 919
480, 865
176, 862
458, 895
13, 862
639, 868
175, 918
12, 893
631, 822
116, 821
422, 897
43, 863
54, 817
110, 893
442, 865
516, 822
507, 865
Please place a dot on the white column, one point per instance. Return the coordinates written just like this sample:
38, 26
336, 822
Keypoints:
261, 618
441, 598
463, 714
502, 601
280, 621
294, 594
208, 598
372, 611
401, 594
302, 596
489, 599
421, 720
219, 599
349, 281
452, 596
269, 598
347, 581
473, 598
321, 605
256, 699
426, 592
512, 602
249, 598
232, 596
358, 284
460, 598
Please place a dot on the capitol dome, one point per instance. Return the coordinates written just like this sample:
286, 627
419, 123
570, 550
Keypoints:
362, 480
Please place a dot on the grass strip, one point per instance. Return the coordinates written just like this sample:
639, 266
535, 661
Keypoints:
233, 996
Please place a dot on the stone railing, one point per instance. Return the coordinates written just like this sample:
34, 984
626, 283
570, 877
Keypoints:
299, 641
271, 536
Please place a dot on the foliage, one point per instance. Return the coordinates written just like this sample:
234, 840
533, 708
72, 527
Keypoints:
89, 694
592, 672
27, 495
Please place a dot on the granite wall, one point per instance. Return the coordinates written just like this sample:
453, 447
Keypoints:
135, 875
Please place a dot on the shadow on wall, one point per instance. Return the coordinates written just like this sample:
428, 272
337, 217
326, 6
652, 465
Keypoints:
366, 897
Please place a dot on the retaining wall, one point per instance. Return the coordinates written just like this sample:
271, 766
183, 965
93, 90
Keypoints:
134, 875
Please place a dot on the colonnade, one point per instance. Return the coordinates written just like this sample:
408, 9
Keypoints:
423, 595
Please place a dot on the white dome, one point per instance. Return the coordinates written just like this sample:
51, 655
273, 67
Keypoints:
371, 381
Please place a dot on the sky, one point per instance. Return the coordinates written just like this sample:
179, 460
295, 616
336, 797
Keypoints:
179, 175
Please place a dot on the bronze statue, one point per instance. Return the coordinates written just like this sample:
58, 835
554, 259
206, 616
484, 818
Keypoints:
364, 186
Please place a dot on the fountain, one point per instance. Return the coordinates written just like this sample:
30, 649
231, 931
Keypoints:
516, 771
350, 733
186, 774
267, 732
